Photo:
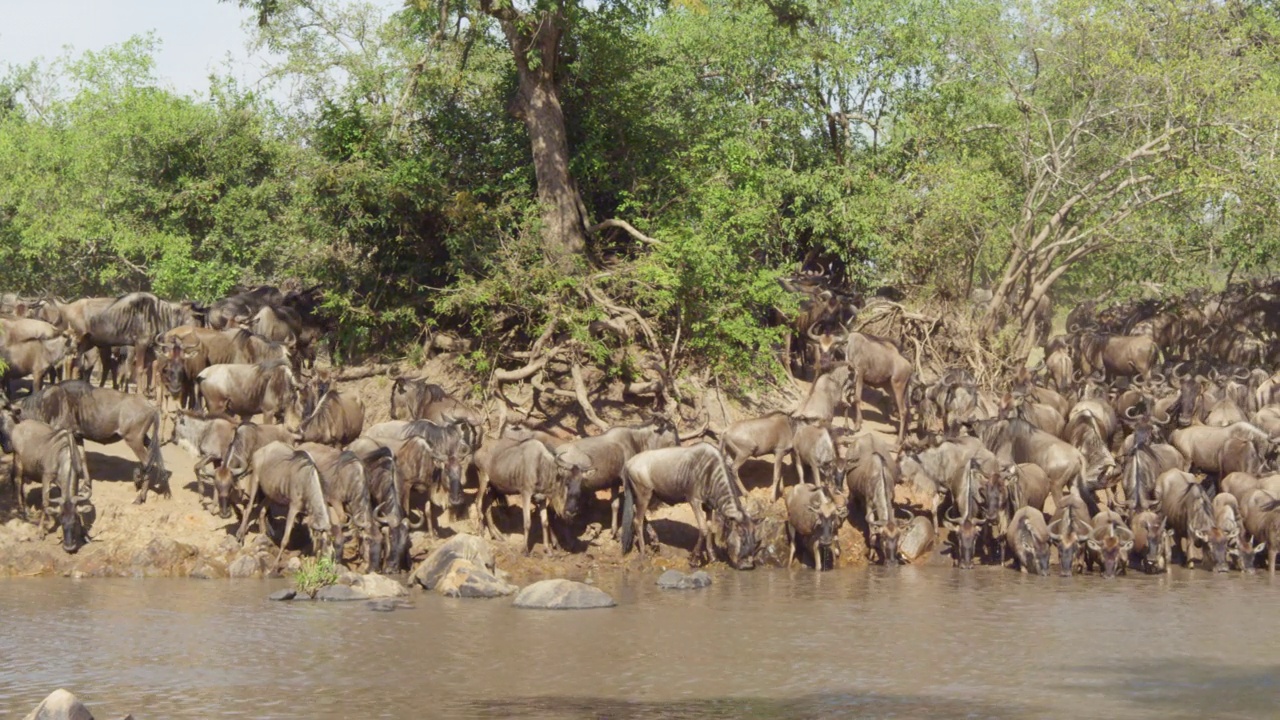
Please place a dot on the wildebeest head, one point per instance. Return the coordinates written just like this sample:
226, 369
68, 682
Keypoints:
70, 513
1188, 398
225, 491
1246, 551
742, 544
396, 537
1218, 543
886, 536
450, 467
1067, 539
1112, 543
571, 475
833, 473
966, 531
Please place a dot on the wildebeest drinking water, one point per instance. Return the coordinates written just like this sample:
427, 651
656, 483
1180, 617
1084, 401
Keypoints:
698, 475
50, 455
289, 477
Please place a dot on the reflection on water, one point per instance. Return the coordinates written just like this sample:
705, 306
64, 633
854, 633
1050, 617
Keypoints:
907, 643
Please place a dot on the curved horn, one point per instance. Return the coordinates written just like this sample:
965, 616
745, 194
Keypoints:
1131, 412
1052, 534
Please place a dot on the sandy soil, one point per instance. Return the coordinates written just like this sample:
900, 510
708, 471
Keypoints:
176, 535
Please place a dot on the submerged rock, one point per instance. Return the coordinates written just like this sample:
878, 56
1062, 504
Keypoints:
340, 593
207, 569
280, 595
463, 547
388, 605
562, 595
676, 580
60, 705
465, 579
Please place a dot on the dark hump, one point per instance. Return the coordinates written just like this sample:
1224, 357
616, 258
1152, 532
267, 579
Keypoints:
131, 317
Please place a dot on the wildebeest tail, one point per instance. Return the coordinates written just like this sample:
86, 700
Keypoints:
628, 537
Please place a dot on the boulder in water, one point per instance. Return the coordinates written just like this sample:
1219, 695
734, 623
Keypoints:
246, 566
676, 580
465, 579
464, 547
379, 586
562, 595
281, 595
917, 539
60, 705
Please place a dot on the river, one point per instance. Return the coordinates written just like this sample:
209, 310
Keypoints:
909, 643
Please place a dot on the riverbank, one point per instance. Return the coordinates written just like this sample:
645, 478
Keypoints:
177, 536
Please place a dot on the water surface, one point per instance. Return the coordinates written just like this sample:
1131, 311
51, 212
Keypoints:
909, 643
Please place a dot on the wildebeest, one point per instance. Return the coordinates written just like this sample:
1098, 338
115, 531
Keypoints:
878, 362
105, 416
1229, 520
526, 468
771, 434
383, 476
1017, 441
246, 390
450, 452
134, 320
1069, 530
346, 491
337, 419
965, 517
207, 438
30, 347
1028, 539
813, 523
288, 477
1117, 355
415, 399
1058, 363
1152, 541
698, 475
871, 478
1180, 498
238, 461
74, 317
814, 447
50, 455
595, 463
1202, 445
1262, 520
1109, 543
828, 391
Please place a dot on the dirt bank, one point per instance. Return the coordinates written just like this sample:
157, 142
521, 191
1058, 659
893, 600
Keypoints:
176, 536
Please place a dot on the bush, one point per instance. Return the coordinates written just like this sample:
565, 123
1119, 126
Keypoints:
314, 574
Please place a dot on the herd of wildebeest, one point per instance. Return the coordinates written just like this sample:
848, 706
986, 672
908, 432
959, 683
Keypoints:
1148, 433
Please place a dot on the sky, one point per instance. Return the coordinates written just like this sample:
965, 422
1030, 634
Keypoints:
197, 36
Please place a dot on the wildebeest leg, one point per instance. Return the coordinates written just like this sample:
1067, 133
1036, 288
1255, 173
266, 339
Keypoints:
248, 507
202, 477
526, 510
696, 558
542, 517
777, 475
641, 495
737, 477
294, 507
432, 528
791, 543
900, 399
615, 502
15, 477
857, 403
817, 556
799, 466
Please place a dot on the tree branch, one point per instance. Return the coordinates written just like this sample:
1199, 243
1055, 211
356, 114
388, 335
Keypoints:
623, 225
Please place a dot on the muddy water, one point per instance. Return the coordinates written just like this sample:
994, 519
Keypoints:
910, 643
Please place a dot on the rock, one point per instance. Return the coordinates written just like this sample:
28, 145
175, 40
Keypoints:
293, 564
465, 547
379, 586
60, 705
676, 580
162, 556
562, 595
340, 593
246, 566
388, 605
465, 579
281, 595
917, 539
206, 569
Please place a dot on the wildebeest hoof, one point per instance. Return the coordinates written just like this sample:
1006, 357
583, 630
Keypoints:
139, 500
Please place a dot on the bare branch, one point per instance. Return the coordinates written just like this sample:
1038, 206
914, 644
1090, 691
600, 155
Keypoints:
623, 225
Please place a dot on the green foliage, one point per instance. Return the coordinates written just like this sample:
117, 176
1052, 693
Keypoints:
892, 143
315, 573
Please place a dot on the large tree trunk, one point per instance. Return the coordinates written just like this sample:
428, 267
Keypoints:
537, 104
